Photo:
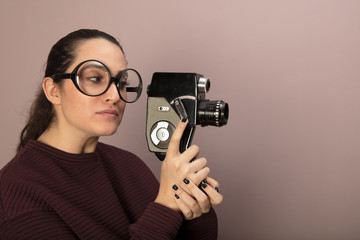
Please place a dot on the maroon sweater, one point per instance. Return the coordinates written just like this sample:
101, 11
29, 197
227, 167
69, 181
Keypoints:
46, 193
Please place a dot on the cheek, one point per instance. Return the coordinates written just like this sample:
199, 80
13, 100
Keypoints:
74, 103
75, 112
80, 110
122, 106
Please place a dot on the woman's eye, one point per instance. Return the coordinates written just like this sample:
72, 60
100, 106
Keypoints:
123, 84
95, 79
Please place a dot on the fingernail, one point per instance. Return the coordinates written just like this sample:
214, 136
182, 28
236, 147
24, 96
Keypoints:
184, 119
186, 181
217, 189
204, 185
175, 187
177, 197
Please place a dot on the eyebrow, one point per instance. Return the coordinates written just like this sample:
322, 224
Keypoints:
103, 67
121, 71
95, 65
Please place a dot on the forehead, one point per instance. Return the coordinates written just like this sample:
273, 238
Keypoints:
102, 50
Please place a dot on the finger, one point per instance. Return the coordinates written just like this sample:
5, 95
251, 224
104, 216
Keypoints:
183, 207
200, 175
198, 164
191, 169
202, 200
174, 144
191, 153
189, 201
215, 197
213, 183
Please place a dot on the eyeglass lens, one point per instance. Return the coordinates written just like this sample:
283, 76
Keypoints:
93, 78
129, 85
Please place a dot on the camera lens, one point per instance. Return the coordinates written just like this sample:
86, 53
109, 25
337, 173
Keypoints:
214, 113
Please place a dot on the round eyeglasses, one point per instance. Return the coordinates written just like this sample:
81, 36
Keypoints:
93, 78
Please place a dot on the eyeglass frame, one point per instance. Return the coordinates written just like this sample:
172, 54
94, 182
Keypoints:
115, 80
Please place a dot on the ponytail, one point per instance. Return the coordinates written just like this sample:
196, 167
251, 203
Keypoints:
40, 116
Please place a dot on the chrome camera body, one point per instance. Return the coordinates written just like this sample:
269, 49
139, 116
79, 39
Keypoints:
174, 96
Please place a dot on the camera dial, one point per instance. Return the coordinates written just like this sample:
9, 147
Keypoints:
161, 133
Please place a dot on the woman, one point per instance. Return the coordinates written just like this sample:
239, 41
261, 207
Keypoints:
64, 184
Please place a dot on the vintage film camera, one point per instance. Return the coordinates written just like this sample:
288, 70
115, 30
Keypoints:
173, 96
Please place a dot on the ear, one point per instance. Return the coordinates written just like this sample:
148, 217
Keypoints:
51, 90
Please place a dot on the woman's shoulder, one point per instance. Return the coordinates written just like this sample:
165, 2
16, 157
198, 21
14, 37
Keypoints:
17, 194
15, 166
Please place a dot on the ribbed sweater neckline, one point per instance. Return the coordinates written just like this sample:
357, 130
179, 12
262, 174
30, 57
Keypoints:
63, 156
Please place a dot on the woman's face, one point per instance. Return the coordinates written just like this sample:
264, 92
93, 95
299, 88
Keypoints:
88, 116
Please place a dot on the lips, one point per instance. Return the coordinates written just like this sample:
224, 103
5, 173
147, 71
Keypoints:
109, 113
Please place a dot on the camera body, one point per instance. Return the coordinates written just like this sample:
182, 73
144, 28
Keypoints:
174, 96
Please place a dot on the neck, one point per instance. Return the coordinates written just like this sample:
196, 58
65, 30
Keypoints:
68, 143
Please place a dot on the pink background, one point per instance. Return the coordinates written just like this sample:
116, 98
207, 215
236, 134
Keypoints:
288, 160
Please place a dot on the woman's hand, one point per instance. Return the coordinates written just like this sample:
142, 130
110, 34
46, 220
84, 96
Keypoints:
180, 165
176, 167
179, 172
197, 202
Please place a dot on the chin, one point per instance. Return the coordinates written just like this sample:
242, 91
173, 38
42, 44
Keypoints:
106, 130
110, 133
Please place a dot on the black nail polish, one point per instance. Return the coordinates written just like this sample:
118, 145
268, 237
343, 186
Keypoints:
204, 185
184, 119
175, 187
177, 197
217, 189
186, 181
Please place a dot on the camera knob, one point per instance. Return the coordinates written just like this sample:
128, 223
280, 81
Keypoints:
203, 85
161, 133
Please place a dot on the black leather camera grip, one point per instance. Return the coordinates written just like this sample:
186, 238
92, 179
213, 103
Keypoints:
188, 132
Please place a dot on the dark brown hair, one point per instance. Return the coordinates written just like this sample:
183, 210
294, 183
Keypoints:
61, 56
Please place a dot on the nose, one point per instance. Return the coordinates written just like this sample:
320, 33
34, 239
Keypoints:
112, 94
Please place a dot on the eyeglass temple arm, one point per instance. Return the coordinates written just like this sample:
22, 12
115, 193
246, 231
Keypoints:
132, 89
64, 76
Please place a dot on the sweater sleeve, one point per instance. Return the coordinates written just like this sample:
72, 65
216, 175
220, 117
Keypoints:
154, 221
203, 228
157, 222
160, 222
36, 225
